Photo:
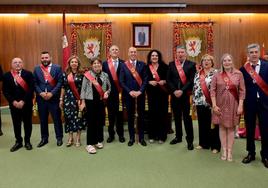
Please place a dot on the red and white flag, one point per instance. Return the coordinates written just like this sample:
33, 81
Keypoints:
65, 47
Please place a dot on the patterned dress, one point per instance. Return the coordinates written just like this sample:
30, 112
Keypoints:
225, 100
70, 108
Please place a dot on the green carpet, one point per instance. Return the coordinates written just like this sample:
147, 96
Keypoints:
120, 166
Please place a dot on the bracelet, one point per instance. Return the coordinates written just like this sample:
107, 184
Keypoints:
61, 98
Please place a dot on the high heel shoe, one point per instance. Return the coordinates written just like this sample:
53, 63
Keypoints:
224, 155
229, 156
69, 143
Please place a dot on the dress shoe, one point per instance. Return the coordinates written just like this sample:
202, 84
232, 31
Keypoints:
190, 146
130, 143
42, 143
16, 147
265, 162
1, 132
122, 139
248, 159
28, 146
59, 142
143, 143
110, 139
175, 141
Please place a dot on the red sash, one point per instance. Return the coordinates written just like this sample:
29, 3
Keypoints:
257, 78
20, 80
156, 76
134, 73
114, 75
47, 75
204, 87
95, 83
181, 72
73, 87
229, 85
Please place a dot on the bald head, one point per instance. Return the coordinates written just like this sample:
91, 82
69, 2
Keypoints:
132, 53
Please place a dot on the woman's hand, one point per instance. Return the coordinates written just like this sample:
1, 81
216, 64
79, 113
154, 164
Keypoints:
240, 110
217, 110
106, 95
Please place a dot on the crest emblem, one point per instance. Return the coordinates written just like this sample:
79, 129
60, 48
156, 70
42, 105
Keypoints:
193, 46
91, 48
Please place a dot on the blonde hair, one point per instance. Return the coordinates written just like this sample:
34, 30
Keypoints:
210, 57
69, 69
222, 58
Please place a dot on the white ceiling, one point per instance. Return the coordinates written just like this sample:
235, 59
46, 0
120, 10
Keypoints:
95, 2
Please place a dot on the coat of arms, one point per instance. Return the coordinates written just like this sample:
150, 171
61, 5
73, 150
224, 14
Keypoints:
91, 48
193, 46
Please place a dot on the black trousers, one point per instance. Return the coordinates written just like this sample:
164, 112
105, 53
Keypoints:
95, 116
115, 117
204, 125
215, 138
52, 106
130, 104
181, 108
18, 116
251, 113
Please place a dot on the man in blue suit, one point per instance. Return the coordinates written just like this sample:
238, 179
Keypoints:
48, 81
255, 73
112, 67
133, 79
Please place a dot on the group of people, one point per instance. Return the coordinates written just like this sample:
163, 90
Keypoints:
219, 97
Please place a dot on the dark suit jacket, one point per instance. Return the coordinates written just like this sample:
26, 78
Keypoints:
173, 79
16, 92
41, 85
105, 68
129, 83
252, 89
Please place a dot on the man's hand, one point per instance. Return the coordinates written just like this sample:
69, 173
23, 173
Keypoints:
178, 93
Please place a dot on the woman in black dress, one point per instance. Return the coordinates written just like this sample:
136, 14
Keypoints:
70, 101
157, 96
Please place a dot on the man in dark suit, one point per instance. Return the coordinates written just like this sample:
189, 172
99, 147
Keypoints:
18, 88
112, 67
48, 81
255, 73
180, 78
133, 79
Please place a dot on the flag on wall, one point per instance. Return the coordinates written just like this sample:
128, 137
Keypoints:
66, 51
91, 40
197, 37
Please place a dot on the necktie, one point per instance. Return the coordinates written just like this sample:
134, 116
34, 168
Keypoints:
254, 67
134, 64
115, 65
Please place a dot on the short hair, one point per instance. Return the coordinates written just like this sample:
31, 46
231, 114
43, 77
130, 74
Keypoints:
95, 59
209, 57
180, 47
253, 45
45, 52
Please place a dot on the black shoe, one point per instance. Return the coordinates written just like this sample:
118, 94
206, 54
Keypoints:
110, 139
28, 146
1, 132
248, 159
190, 146
130, 143
175, 141
122, 139
42, 143
265, 162
16, 147
59, 142
143, 143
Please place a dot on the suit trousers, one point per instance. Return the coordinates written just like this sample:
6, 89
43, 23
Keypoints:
115, 117
52, 107
181, 108
22, 115
251, 113
131, 111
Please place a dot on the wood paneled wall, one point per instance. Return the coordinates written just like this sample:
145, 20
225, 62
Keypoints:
26, 36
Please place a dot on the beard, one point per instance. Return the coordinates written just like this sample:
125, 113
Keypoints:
45, 63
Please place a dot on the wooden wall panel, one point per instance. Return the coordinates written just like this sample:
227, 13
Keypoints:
26, 36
